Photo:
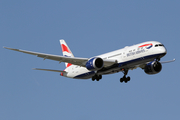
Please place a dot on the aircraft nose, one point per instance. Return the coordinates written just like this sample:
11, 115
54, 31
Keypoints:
163, 50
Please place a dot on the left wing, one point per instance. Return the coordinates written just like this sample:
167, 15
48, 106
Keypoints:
50, 70
75, 60
72, 60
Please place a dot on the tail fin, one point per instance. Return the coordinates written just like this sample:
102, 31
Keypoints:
66, 51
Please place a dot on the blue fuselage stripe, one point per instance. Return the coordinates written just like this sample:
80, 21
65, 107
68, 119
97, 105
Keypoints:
127, 64
85, 75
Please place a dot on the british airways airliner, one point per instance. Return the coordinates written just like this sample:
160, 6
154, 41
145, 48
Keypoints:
145, 55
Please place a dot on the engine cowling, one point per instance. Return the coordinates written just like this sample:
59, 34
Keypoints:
95, 63
153, 67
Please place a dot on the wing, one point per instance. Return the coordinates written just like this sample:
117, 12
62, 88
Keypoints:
75, 60
143, 65
168, 61
50, 70
72, 60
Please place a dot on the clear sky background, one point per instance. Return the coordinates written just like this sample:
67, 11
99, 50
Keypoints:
90, 28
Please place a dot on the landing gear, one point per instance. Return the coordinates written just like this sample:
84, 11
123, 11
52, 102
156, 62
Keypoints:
157, 59
96, 77
124, 78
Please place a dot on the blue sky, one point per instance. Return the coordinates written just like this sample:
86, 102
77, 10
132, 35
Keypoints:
90, 28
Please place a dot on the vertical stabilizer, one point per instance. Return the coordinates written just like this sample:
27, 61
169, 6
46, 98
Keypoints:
66, 51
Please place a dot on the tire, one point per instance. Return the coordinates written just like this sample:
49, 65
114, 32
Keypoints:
100, 76
128, 78
121, 80
93, 78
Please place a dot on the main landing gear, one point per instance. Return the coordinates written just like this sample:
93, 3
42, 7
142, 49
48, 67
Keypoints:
96, 77
124, 78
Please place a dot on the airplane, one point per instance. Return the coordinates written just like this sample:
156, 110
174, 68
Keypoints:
145, 55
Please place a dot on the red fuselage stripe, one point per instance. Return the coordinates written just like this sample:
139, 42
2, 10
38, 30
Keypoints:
146, 45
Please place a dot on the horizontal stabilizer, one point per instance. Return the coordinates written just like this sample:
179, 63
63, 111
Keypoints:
168, 61
50, 70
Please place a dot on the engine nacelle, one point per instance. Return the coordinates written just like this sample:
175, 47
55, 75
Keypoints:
95, 63
153, 67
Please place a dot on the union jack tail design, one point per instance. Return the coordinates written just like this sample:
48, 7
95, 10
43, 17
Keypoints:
66, 51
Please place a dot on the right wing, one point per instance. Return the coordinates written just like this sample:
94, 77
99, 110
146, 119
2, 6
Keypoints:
168, 61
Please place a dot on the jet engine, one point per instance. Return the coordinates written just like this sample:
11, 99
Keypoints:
95, 63
153, 67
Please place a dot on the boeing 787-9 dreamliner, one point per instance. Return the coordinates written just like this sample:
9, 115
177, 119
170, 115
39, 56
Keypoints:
145, 55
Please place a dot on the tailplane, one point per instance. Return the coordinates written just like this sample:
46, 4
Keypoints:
66, 51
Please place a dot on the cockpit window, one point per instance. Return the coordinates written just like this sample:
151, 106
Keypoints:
159, 45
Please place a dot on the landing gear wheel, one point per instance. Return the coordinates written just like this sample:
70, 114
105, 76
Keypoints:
121, 80
96, 77
93, 78
100, 76
124, 78
128, 78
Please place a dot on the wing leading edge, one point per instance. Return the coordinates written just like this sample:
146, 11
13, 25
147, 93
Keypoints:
72, 60
75, 60
50, 70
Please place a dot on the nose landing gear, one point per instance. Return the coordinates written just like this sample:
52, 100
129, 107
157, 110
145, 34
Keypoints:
124, 78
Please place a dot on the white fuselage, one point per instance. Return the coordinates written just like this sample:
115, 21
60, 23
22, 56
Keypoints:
129, 57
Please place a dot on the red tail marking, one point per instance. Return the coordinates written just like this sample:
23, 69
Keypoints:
69, 64
65, 48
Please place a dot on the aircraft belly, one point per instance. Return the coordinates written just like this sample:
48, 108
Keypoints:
82, 73
130, 64
85, 75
